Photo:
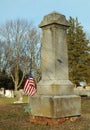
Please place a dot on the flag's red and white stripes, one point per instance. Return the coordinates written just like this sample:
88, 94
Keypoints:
29, 87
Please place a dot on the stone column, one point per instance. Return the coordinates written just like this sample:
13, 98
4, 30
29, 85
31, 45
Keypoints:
55, 97
54, 56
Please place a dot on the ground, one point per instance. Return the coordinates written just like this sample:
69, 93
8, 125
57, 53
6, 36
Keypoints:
14, 117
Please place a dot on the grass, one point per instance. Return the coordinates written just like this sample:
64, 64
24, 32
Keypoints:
6, 100
14, 117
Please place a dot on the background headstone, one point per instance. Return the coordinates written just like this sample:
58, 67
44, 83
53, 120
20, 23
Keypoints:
2, 92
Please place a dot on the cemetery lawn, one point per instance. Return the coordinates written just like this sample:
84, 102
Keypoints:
14, 117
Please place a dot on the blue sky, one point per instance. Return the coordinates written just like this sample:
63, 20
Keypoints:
35, 10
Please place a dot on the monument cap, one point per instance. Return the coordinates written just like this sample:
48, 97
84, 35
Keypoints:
54, 18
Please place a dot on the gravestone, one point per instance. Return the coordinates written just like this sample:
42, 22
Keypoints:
55, 96
19, 96
9, 93
2, 92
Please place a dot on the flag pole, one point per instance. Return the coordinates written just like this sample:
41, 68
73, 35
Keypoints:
28, 98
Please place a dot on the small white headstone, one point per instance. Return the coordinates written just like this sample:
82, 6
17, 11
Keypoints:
9, 93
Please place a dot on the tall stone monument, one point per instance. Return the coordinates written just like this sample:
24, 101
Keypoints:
55, 97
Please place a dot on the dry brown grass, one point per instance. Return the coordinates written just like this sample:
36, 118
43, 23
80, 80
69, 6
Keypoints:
13, 117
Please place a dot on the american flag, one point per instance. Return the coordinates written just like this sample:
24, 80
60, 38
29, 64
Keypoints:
29, 87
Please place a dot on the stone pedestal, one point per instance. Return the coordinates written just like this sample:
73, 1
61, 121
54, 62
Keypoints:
55, 97
55, 106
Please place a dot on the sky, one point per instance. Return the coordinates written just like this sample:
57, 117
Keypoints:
35, 10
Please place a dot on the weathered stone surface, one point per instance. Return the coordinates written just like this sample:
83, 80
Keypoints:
55, 87
55, 97
54, 17
55, 106
54, 53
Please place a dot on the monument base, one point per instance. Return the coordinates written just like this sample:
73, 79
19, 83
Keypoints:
55, 87
55, 106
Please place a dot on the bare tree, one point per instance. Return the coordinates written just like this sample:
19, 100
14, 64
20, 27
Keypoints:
21, 48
